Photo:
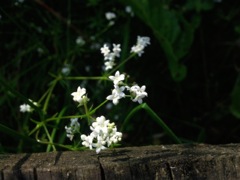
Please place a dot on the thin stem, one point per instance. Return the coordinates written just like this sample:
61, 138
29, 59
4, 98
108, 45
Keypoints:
123, 62
86, 78
54, 131
49, 95
155, 117
50, 139
87, 113
95, 109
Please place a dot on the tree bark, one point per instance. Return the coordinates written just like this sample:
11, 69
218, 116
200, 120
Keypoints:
185, 161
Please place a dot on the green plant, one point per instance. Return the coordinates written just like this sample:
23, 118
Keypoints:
48, 54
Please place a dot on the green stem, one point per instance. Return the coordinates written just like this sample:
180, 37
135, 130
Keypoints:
155, 117
86, 78
50, 139
76, 116
123, 62
54, 131
53, 84
87, 113
100, 105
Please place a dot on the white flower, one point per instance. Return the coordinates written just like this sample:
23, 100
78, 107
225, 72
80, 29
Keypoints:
87, 140
103, 134
110, 15
100, 121
117, 93
110, 57
109, 65
99, 145
27, 108
79, 95
73, 128
116, 49
105, 50
137, 49
117, 78
138, 93
142, 42
100, 126
114, 138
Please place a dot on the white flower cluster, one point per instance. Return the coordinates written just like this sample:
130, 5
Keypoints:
137, 93
26, 107
79, 96
103, 135
142, 42
109, 56
73, 128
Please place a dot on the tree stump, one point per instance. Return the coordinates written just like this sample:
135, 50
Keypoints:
185, 161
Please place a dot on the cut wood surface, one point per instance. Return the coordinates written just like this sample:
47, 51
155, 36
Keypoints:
185, 161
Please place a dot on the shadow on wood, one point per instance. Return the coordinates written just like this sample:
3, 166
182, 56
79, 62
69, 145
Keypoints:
195, 161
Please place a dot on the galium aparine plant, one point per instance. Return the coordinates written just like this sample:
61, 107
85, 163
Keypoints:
104, 133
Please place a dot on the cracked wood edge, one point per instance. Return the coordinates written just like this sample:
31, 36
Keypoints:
185, 161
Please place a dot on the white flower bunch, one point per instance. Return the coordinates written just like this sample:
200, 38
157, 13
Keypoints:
136, 93
79, 96
103, 135
109, 56
142, 42
26, 107
73, 128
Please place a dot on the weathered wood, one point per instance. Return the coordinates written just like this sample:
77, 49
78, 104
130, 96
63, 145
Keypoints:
198, 161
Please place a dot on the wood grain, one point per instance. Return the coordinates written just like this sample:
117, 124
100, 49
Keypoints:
185, 161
